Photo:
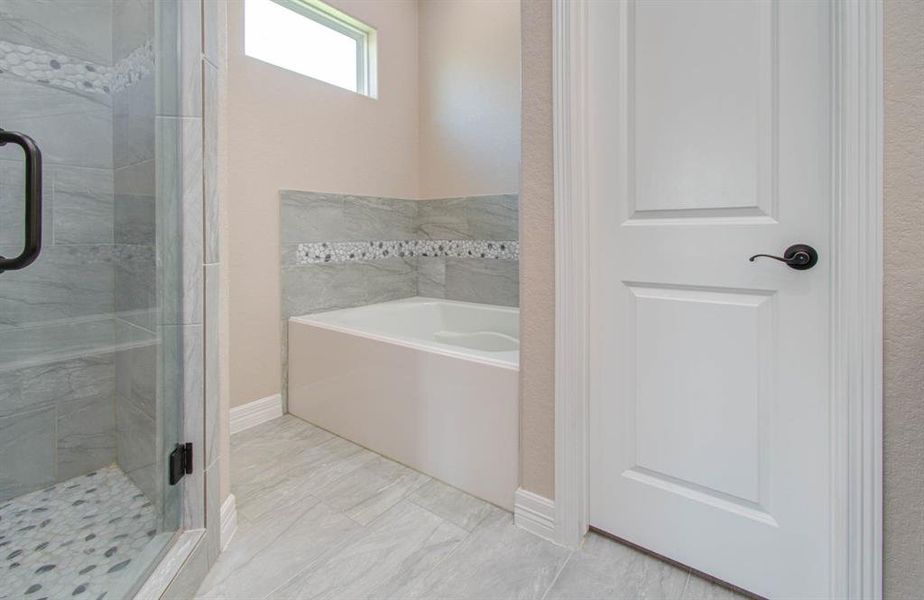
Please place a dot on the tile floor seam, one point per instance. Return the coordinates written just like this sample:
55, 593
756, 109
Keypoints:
319, 559
474, 525
267, 544
558, 574
468, 534
405, 496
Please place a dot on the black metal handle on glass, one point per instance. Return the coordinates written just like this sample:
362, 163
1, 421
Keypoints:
799, 257
33, 226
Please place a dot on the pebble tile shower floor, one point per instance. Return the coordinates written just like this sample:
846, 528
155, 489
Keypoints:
73, 539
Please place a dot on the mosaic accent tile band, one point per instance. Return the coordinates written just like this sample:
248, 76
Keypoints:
347, 252
66, 72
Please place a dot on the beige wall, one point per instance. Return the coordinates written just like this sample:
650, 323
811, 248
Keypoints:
904, 281
904, 299
287, 131
469, 97
537, 261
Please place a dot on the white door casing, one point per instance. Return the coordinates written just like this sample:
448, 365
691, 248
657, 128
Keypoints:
733, 411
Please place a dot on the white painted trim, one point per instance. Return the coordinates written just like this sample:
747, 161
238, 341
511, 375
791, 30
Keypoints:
571, 263
256, 412
856, 353
228, 521
535, 514
856, 324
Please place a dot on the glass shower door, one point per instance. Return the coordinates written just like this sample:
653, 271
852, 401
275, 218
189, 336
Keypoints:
88, 413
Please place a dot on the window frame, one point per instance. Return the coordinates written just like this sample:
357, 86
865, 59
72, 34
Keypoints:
364, 36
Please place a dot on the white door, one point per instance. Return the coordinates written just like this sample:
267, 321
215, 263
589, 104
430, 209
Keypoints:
710, 408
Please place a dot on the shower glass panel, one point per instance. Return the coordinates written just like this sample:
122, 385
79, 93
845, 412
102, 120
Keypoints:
90, 373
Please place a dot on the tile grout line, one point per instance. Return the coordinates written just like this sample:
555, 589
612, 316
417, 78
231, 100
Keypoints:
558, 574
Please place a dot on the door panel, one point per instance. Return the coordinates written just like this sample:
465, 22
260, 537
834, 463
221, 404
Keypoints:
710, 407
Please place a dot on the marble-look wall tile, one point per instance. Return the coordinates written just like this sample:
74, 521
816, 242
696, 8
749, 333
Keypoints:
27, 452
469, 218
443, 219
136, 285
136, 446
13, 200
378, 218
180, 220
317, 217
82, 138
431, 277
132, 26
481, 280
315, 288
65, 282
23, 99
210, 159
134, 219
82, 202
136, 377
493, 217
78, 28
85, 435
137, 179
90, 376
133, 123
179, 93
212, 359
310, 217
78, 394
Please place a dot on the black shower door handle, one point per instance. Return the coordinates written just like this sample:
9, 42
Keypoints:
33, 224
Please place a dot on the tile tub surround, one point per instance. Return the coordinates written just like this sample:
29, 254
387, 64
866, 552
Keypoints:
74, 539
384, 228
321, 517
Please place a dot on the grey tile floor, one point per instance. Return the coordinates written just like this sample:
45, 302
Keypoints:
320, 517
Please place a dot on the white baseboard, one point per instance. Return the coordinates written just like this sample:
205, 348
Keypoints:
228, 520
256, 412
535, 514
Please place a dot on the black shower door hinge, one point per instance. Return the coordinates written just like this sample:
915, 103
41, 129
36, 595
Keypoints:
181, 462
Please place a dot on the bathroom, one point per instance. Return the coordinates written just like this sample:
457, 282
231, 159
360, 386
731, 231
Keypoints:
453, 299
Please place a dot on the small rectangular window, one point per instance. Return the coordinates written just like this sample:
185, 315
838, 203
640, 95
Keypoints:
313, 39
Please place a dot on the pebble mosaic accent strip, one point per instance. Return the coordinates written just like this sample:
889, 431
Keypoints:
344, 252
72, 540
67, 72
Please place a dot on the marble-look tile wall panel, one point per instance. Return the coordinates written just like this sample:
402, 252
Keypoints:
56, 422
133, 123
482, 280
316, 288
309, 218
66, 282
470, 280
471, 218
78, 28
82, 205
317, 217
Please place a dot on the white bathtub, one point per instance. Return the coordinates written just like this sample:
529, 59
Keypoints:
429, 383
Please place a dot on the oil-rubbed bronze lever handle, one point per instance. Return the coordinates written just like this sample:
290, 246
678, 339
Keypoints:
799, 257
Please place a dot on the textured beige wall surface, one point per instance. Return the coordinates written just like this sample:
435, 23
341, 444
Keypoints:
904, 300
469, 97
537, 260
287, 131
903, 293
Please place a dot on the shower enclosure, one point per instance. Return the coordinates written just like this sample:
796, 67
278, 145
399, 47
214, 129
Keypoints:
101, 335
